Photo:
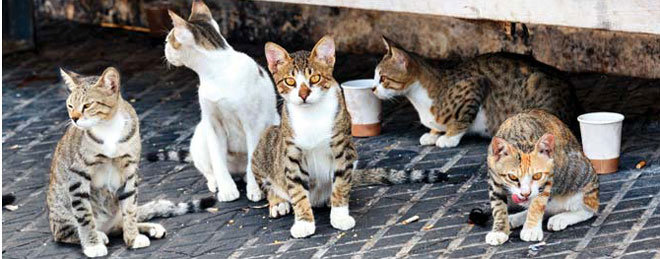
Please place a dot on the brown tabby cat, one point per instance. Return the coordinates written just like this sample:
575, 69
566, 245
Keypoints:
93, 178
308, 159
536, 159
475, 96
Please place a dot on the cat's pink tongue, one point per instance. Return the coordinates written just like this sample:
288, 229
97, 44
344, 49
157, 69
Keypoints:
517, 198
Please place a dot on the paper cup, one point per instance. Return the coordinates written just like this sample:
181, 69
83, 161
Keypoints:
601, 139
363, 106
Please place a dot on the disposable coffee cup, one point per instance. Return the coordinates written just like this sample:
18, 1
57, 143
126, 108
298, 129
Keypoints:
601, 139
363, 106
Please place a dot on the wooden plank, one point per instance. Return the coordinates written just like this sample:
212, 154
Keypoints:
618, 15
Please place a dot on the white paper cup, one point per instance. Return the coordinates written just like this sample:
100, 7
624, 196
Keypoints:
363, 106
601, 139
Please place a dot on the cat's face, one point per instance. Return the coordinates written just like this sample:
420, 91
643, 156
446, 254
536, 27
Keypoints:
199, 33
303, 77
93, 99
524, 174
393, 74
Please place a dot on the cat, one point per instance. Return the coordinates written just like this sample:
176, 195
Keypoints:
93, 179
236, 96
309, 159
475, 96
536, 159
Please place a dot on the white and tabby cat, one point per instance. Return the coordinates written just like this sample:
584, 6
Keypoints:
93, 179
236, 96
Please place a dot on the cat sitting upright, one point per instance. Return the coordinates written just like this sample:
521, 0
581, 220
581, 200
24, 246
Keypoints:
475, 96
236, 96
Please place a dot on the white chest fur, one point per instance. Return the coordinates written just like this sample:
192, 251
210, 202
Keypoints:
312, 126
110, 132
107, 176
420, 99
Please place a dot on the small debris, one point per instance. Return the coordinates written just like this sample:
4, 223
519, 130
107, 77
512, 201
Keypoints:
133, 100
212, 210
231, 222
241, 226
342, 234
264, 228
410, 220
259, 206
245, 210
8, 199
355, 235
478, 217
537, 246
15, 147
427, 227
11, 207
277, 242
641, 164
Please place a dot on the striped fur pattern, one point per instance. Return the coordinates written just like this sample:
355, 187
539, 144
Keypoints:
93, 179
307, 160
475, 96
237, 101
535, 161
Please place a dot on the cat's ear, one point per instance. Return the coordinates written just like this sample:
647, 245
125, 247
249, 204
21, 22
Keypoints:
276, 56
109, 81
177, 21
324, 51
499, 148
399, 57
199, 8
546, 145
388, 44
70, 78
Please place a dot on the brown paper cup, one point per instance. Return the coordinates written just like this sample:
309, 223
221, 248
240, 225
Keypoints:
605, 166
365, 130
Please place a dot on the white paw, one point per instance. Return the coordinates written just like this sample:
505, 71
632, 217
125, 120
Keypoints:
558, 222
280, 209
445, 142
227, 193
210, 183
140, 241
496, 238
302, 229
344, 222
341, 219
531, 234
103, 237
428, 139
157, 231
95, 250
254, 193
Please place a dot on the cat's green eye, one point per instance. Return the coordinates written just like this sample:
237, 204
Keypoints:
537, 176
290, 81
513, 177
314, 79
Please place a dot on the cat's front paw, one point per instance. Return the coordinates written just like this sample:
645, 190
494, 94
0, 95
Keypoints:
254, 193
103, 237
228, 192
445, 141
559, 222
95, 250
341, 219
531, 234
496, 238
157, 231
140, 241
428, 139
302, 229
344, 222
279, 209
210, 183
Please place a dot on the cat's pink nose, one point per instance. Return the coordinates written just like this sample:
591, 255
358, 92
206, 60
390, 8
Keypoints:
525, 194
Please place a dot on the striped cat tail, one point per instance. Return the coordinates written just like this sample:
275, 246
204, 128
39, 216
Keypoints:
374, 176
166, 208
182, 156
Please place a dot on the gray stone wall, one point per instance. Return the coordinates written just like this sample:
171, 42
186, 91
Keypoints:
358, 31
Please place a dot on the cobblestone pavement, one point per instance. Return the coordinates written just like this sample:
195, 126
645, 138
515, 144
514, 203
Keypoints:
34, 117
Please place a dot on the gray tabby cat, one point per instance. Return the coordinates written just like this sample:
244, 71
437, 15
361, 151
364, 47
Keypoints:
93, 180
